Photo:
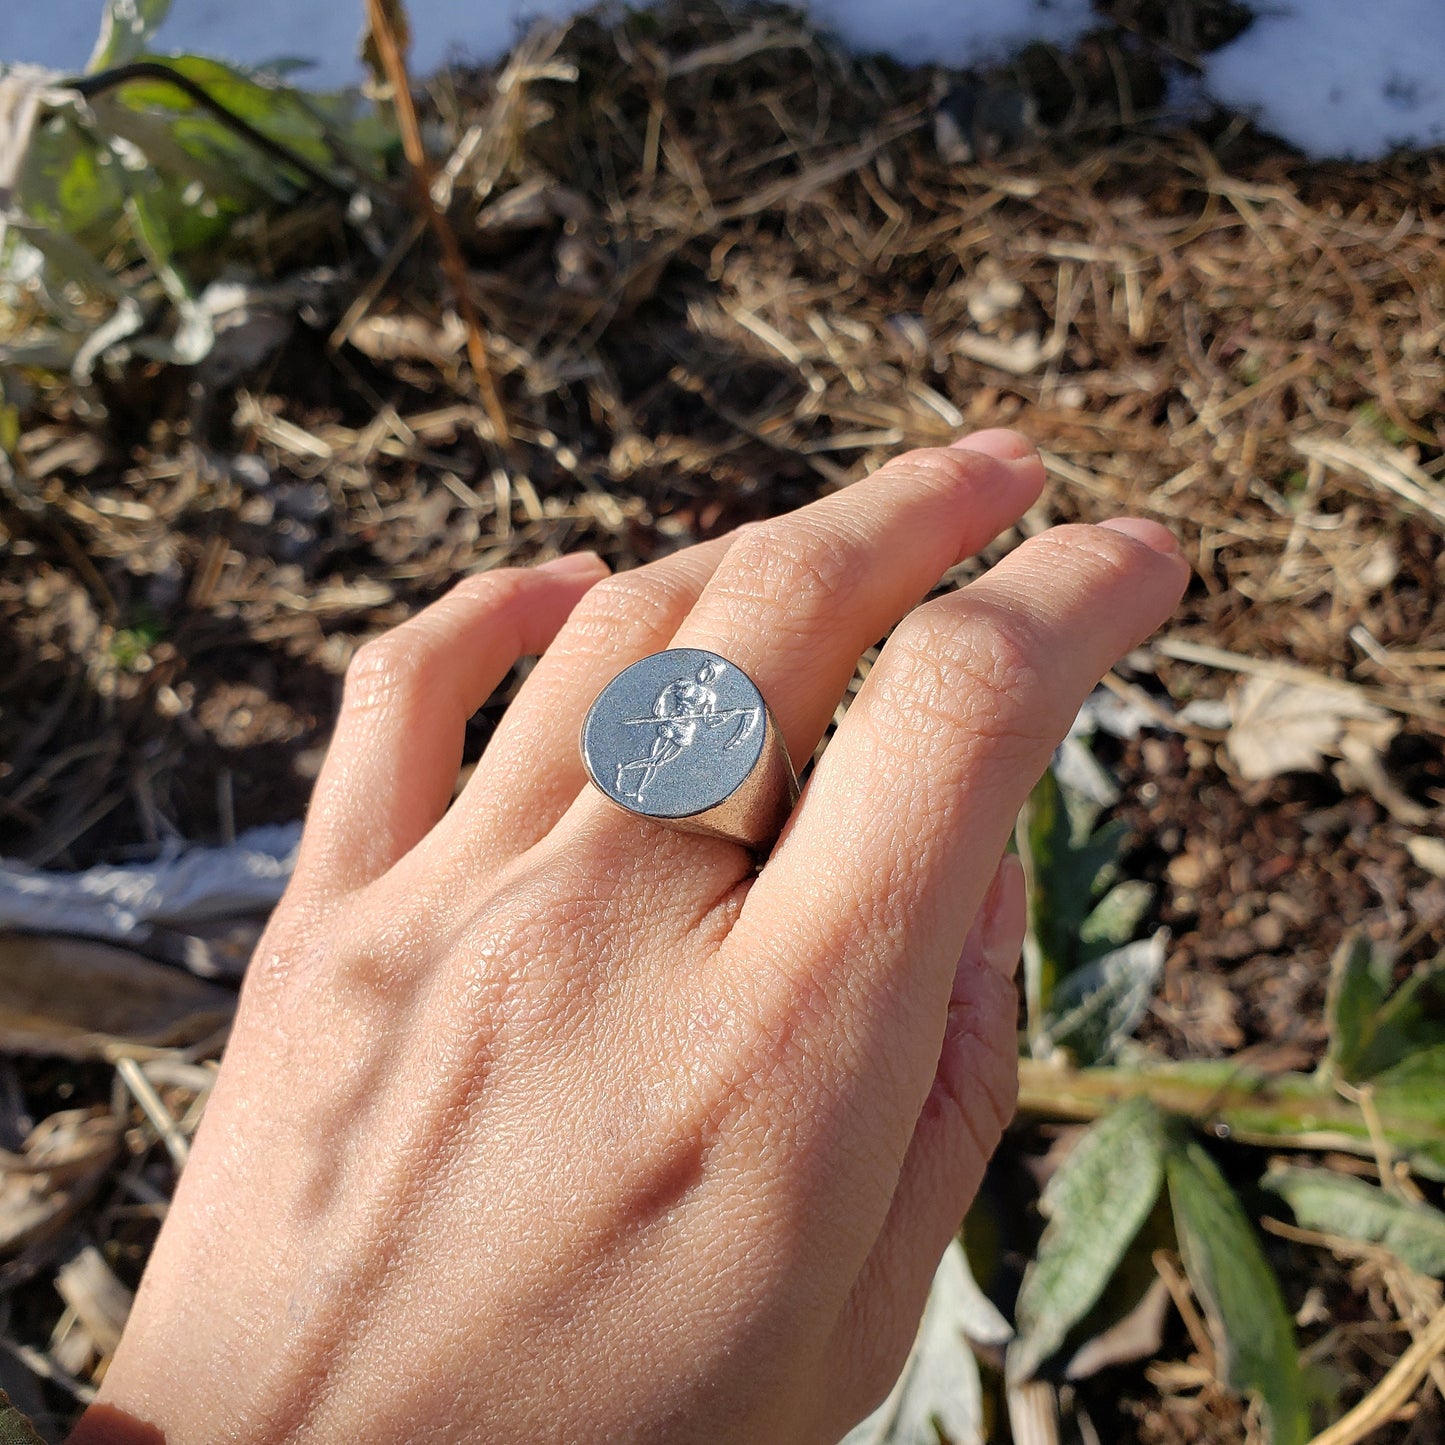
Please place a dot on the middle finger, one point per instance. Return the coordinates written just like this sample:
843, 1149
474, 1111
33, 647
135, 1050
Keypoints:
796, 600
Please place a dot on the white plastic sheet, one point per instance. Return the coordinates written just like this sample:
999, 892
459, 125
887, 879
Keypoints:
183, 888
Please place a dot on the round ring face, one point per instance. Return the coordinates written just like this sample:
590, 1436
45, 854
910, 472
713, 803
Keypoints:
674, 734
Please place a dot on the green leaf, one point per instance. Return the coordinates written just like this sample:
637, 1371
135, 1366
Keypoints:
1410, 1099
1341, 1204
939, 1387
1068, 867
1359, 982
1410, 1021
1097, 1007
69, 184
126, 28
153, 236
1116, 917
1372, 1030
317, 127
1095, 1204
1253, 1333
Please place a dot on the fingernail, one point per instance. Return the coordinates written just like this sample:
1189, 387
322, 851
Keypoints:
999, 443
1151, 534
1003, 918
573, 564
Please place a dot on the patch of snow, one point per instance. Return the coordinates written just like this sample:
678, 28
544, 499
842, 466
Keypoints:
951, 32
1334, 77
1350, 78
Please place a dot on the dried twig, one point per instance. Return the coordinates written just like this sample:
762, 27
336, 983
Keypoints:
1393, 1392
453, 263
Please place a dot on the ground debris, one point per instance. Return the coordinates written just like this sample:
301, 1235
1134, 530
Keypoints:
723, 267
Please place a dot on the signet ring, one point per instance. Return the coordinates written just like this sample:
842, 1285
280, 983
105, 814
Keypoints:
685, 738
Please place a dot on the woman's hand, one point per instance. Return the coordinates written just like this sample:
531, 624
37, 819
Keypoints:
541, 1121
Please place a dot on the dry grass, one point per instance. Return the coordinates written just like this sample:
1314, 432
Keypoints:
721, 267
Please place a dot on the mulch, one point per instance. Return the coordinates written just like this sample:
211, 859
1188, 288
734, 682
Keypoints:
723, 267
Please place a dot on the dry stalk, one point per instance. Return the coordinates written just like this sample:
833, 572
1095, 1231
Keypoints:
1187, 651
1393, 1392
153, 1107
455, 266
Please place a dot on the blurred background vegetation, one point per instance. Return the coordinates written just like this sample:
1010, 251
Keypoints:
278, 367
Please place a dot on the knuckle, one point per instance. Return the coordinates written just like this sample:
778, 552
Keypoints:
978, 673
293, 948
403, 661
793, 564
1078, 550
499, 598
944, 468
385, 670
490, 589
622, 601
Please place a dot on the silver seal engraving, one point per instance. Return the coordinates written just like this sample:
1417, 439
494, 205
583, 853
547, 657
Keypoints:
684, 736
680, 708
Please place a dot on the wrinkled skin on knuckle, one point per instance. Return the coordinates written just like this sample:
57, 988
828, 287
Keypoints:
945, 469
329, 964
384, 672
491, 588
292, 947
619, 603
499, 597
1068, 563
1080, 550
791, 572
968, 677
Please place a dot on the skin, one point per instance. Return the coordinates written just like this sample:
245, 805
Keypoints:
541, 1121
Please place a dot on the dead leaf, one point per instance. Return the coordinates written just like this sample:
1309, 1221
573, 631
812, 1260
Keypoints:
62, 1160
1135, 1337
1362, 745
76, 999
1284, 727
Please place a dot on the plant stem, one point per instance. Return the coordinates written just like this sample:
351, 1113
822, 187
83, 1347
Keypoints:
1287, 1111
394, 63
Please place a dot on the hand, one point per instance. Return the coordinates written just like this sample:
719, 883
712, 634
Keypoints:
541, 1121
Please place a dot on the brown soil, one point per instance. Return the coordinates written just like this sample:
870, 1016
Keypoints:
739, 279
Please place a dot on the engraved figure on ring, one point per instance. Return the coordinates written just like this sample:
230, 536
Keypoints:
679, 710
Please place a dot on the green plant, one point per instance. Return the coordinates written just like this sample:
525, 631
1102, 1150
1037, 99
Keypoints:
1143, 1176
1087, 979
129, 187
